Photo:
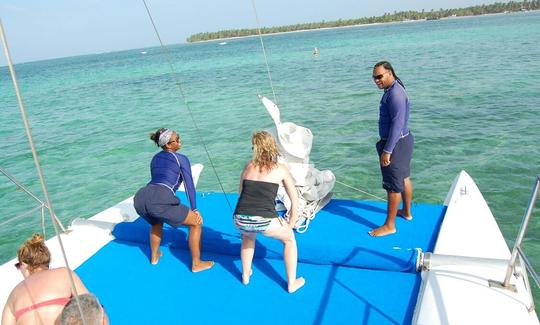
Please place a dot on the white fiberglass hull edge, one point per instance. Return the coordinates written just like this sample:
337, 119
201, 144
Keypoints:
459, 293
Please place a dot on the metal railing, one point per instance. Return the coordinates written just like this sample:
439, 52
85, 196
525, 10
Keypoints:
40, 206
517, 251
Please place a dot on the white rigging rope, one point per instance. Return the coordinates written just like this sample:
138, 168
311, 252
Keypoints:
183, 96
264, 51
36, 162
361, 191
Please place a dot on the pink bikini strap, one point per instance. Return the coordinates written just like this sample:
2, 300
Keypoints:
51, 302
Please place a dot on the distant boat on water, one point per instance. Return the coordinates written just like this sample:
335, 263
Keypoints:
143, 52
222, 43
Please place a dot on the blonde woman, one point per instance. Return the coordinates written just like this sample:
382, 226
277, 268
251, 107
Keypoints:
256, 213
41, 296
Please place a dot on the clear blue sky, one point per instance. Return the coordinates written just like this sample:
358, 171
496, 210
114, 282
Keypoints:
44, 29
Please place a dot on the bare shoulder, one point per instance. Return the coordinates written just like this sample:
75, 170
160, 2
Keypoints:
61, 269
62, 272
283, 169
248, 168
8, 310
16, 290
283, 166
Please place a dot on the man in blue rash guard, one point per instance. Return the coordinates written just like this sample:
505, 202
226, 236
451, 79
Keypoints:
157, 201
395, 146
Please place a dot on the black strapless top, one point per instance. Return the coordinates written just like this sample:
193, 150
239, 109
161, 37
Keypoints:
257, 199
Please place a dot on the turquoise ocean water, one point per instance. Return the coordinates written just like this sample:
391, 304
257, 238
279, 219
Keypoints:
473, 85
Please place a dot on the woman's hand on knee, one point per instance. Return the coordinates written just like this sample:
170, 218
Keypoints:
194, 218
199, 218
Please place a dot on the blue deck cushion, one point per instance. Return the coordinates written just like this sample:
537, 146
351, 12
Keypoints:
337, 235
135, 292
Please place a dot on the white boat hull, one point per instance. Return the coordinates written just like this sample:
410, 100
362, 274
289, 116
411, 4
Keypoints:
456, 289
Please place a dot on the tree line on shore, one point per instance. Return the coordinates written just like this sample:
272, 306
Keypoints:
498, 7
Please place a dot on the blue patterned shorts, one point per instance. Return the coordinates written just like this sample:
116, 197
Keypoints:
254, 224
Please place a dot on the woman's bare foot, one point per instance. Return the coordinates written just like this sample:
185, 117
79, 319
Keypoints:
245, 278
401, 213
382, 231
297, 284
201, 266
155, 259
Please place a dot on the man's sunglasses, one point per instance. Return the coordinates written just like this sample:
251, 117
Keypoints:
379, 76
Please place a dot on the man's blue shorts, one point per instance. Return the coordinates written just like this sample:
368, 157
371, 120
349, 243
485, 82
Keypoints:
400, 164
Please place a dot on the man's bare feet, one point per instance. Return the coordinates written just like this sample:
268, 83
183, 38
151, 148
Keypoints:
155, 259
297, 284
382, 231
245, 278
401, 213
202, 266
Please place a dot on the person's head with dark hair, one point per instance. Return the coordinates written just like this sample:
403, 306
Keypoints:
91, 308
167, 139
384, 75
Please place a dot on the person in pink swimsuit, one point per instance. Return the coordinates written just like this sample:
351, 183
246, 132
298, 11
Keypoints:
42, 295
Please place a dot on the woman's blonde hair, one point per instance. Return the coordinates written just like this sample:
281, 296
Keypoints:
34, 253
265, 151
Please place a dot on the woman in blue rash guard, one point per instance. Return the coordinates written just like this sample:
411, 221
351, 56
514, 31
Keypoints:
157, 201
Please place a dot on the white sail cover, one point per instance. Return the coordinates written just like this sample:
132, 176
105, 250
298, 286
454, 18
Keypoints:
313, 186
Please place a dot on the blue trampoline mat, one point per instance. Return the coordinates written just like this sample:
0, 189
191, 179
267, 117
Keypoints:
135, 292
337, 236
351, 276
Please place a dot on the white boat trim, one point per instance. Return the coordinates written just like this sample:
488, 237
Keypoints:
456, 289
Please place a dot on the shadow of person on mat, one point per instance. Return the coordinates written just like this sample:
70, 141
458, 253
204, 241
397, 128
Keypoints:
138, 232
223, 246
267, 269
213, 242
352, 210
220, 243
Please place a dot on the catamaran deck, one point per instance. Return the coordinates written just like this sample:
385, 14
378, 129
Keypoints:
350, 276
